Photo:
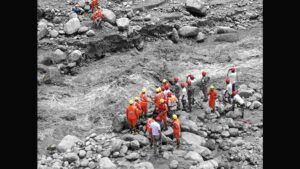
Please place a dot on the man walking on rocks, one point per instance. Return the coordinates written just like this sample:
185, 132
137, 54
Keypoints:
176, 129
149, 121
155, 134
144, 102
228, 92
183, 96
177, 91
204, 85
212, 99
132, 117
239, 101
190, 94
233, 77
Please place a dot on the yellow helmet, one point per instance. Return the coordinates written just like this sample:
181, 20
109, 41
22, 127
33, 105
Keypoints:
174, 116
130, 102
99, 7
143, 90
212, 87
136, 98
162, 100
157, 90
164, 81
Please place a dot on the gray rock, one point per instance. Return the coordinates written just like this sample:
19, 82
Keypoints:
119, 123
132, 156
116, 145
56, 20
84, 163
72, 26
134, 145
115, 154
174, 164
61, 32
83, 29
179, 153
42, 24
246, 93
211, 144
87, 7
59, 56
70, 157
92, 165
143, 165
192, 155
188, 31
74, 56
175, 36
210, 164
229, 122
200, 37
168, 132
166, 155
42, 33
256, 104
109, 16
234, 114
203, 151
196, 6
224, 29
234, 132
90, 33
82, 153
105, 163
44, 59
123, 23
106, 153
124, 149
53, 33
67, 143
193, 139
258, 96
141, 139
225, 134
73, 15
71, 65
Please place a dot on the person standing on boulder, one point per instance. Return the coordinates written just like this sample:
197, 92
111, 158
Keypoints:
172, 104
132, 117
177, 91
239, 101
163, 111
204, 85
155, 134
212, 99
183, 96
233, 77
149, 121
144, 102
228, 91
190, 94
176, 129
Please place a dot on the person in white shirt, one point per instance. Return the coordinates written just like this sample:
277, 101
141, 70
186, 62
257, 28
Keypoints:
233, 77
167, 90
191, 78
228, 91
155, 134
183, 96
239, 101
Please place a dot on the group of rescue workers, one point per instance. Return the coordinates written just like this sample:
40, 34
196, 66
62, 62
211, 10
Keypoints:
167, 103
97, 15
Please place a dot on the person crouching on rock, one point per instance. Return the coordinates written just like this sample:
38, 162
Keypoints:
78, 10
155, 134
239, 101
212, 99
98, 16
149, 121
132, 117
176, 129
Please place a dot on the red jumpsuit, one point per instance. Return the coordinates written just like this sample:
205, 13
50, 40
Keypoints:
212, 99
94, 3
163, 109
138, 108
157, 100
132, 115
98, 14
144, 103
176, 128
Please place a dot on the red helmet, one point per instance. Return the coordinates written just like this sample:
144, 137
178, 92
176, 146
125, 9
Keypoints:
189, 83
176, 79
233, 69
167, 86
192, 77
182, 85
163, 88
234, 93
203, 73
169, 94
227, 80
158, 118
166, 101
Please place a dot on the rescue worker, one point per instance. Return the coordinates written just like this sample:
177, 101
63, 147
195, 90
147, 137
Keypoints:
239, 101
167, 90
204, 85
190, 94
138, 107
155, 134
78, 10
172, 104
165, 83
233, 77
94, 3
228, 91
176, 129
212, 99
163, 110
98, 16
183, 96
132, 117
156, 100
191, 78
149, 121
144, 102
177, 91
163, 92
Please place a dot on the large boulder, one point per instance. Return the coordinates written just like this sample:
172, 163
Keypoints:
74, 56
109, 16
188, 31
174, 164
141, 139
196, 6
83, 29
116, 145
59, 56
234, 114
192, 155
42, 33
179, 153
53, 33
135, 145
189, 126
123, 23
143, 165
175, 36
256, 104
67, 143
72, 26
45, 59
168, 132
200, 37
105, 163
246, 93
224, 29
203, 151
119, 123
132, 156
210, 164
70, 157
193, 139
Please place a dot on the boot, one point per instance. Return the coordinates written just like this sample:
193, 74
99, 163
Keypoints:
177, 144
135, 132
166, 126
130, 129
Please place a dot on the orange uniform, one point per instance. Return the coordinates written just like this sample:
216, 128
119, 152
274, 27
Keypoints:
149, 121
98, 14
176, 128
94, 3
157, 99
212, 99
144, 103
132, 115
163, 109
138, 109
